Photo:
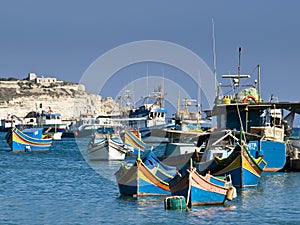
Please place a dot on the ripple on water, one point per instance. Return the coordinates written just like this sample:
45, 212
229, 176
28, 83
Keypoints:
60, 187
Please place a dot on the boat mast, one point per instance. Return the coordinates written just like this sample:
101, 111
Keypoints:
258, 82
147, 90
214, 55
199, 94
178, 102
239, 66
162, 89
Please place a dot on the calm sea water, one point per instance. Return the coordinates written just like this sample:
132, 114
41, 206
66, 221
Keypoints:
61, 187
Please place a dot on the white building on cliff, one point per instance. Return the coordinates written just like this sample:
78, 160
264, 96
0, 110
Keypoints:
45, 81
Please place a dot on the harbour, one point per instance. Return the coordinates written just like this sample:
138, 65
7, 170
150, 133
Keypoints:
149, 112
211, 167
61, 187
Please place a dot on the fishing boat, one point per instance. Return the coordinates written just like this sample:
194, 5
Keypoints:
202, 190
271, 135
9, 122
90, 123
222, 157
190, 120
146, 177
242, 108
182, 138
106, 144
50, 122
29, 139
149, 116
132, 138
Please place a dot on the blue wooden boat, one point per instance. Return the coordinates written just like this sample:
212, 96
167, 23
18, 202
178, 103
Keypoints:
30, 139
245, 170
146, 177
202, 190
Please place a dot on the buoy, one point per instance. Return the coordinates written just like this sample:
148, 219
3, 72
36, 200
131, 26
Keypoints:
175, 202
250, 97
227, 100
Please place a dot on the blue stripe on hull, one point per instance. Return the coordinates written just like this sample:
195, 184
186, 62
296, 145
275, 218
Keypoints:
199, 197
250, 179
27, 147
149, 188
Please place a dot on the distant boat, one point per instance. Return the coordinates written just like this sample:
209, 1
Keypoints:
223, 157
146, 177
30, 139
106, 144
9, 122
50, 122
190, 121
202, 190
88, 124
149, 116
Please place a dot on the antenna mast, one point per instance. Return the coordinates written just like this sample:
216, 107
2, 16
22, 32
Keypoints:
239, 66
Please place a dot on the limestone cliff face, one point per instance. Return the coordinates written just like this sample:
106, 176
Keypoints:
20, 97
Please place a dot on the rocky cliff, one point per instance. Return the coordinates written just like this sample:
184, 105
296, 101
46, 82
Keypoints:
69, 99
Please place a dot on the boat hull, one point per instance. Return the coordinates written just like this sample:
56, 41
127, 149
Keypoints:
274, 153
22, 142
245, 171
146, 177
138, 180
201, 190
107, 149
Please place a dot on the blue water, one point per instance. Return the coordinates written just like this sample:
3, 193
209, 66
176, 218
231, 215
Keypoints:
61, 187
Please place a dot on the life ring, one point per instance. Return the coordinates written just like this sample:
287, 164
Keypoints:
250, 97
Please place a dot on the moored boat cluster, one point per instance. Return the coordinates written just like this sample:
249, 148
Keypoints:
201, 164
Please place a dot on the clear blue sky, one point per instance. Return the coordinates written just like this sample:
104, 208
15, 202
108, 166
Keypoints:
62, 38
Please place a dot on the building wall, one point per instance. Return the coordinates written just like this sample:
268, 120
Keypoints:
45, 80
32, 76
